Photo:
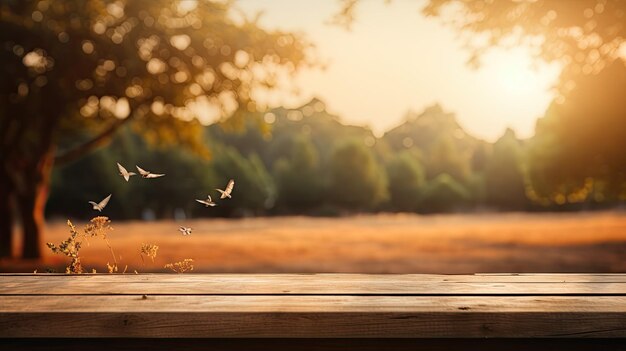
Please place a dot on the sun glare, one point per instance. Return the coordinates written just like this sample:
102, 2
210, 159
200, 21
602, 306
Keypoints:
416, 63
517, 77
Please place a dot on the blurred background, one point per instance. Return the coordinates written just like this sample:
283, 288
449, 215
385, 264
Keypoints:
435, 136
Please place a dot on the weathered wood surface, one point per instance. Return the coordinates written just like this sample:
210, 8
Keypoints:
313, 305
319, 284
313, 344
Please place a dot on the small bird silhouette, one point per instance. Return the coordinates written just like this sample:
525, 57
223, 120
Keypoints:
229, 189
147, 174
185, 230
208, 202
100, 206
124, 173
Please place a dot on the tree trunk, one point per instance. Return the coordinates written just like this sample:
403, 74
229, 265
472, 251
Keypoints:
6, 215
32, 204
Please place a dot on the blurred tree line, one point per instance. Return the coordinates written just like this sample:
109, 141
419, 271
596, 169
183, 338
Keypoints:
576, 158
577, 153
308, 162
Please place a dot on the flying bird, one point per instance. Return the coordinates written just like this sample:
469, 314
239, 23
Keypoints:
229, 189
146, 174
185, 230
208, 202
124, 173
100, 206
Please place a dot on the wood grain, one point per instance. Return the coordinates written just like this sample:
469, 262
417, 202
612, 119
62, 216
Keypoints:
312, 344
312, 303
313, 306
253, 284
311, 316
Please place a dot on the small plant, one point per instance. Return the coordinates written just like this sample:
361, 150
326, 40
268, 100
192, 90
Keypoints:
112, 268
149, 250
98, 226
70, 248
183, 266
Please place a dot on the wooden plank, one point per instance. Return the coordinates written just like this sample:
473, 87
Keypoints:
312, 344
334, 284
477, 277
311, 316
310, 303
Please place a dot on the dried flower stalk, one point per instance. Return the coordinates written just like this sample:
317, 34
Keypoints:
149, 250
112, 268
99, 226
183, 266
70, 247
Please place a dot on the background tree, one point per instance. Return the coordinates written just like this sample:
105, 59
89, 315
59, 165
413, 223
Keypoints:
299, 179
356, 179
444, 194
479, 160
504, 175
188, 175
577, 152
254, 187
437, 136
584, 35
406, 180
446, 158
71, 189
76, 70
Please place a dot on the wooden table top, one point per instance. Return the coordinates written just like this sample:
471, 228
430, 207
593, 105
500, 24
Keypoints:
312, 305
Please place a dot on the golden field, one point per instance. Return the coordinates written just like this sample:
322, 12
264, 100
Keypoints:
385, 243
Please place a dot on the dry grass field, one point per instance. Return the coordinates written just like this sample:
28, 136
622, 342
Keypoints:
387, 243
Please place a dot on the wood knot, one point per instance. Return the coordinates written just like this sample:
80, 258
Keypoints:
144, 297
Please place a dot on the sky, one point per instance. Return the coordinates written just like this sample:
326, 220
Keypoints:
394, 60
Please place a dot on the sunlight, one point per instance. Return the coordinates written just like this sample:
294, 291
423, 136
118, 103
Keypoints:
423, 65
516, 76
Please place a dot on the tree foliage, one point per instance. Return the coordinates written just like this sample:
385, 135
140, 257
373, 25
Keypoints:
73, 71
504, 175
299, 179
584, 35
444, 194
304, 157
255, 190
577, 152
406, 181
356, 179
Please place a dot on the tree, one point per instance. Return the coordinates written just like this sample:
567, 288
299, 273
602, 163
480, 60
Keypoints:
585, 35
71, 189
406, 179
504, 176
254, 187
444, 194
577, 149
446, 158
577, 152
77, 70
356, 179
446, 147
298, 178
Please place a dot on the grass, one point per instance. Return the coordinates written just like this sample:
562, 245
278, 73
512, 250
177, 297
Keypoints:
388, 243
